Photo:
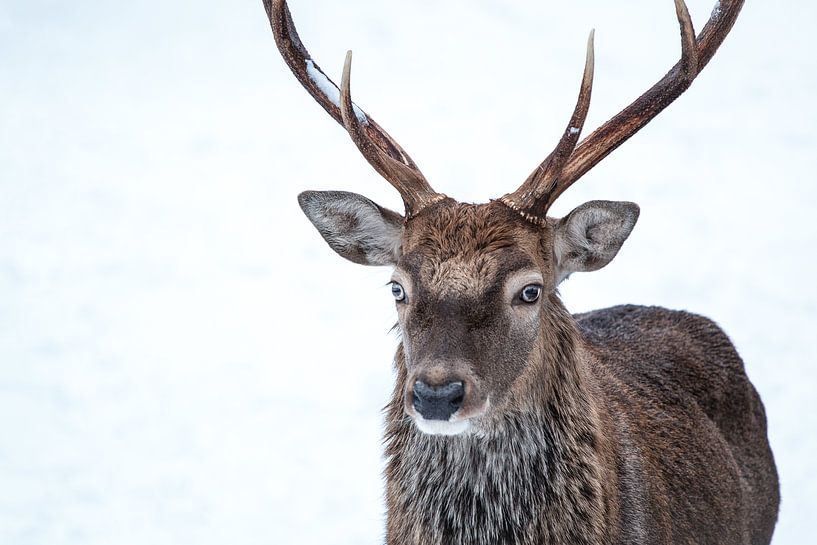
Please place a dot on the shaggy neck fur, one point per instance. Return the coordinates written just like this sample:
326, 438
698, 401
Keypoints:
531, 475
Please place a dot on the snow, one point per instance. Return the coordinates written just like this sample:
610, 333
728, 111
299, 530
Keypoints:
573, 130
716, 10
329, 89
182, 358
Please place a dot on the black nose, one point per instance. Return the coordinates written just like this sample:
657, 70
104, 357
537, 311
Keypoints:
438, 402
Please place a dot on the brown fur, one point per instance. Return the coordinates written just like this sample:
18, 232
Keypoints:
629, 425
625, 425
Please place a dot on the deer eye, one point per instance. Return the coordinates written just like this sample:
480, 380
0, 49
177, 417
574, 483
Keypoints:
530, 293
398, 292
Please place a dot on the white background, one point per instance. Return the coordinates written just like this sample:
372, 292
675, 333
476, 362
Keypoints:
183, 360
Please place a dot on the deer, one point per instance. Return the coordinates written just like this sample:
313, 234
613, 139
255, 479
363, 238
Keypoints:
512, 421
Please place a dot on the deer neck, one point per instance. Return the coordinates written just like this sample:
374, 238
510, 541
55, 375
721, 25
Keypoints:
534, 474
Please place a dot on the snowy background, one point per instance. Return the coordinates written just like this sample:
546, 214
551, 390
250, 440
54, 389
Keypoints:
183, 360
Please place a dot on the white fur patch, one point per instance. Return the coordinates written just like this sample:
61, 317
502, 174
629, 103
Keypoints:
441, 427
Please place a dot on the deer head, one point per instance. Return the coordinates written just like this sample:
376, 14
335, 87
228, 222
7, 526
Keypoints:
475, 284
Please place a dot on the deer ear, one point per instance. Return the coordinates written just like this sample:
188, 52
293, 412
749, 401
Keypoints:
355, 227
590, 236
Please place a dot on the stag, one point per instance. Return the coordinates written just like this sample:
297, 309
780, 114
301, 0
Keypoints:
513, 421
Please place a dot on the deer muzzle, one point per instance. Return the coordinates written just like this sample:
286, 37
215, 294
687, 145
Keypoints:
438, 402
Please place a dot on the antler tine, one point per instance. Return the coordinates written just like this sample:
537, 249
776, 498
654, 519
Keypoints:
695, 54
413, 187
377, 146
542, 182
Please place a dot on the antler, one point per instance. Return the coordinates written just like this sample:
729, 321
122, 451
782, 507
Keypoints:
377, 147
567, 163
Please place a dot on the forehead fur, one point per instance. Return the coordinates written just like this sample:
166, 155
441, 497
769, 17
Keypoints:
453, 245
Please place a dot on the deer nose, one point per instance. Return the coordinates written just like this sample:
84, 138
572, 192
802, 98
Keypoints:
438, 402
